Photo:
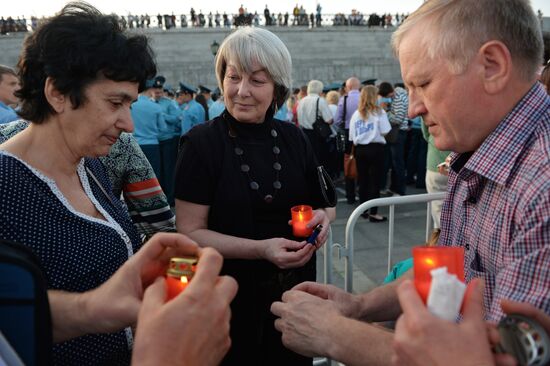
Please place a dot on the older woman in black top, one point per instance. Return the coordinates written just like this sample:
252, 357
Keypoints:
237, 178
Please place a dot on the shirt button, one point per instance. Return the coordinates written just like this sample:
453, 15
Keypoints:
472, 200
467, 246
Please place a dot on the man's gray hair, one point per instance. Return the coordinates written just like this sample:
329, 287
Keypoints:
456, 29
314, 87
247, 46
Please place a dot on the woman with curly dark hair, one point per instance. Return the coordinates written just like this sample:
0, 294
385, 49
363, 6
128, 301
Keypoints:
79, 73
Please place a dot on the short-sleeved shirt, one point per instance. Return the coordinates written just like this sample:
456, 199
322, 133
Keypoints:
77, 252
307, 109
498, 207
370, 130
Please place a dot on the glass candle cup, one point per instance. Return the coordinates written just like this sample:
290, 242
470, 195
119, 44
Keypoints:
301, 215
180, 271
428, 258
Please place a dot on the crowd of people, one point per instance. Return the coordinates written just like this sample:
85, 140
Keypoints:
97, 152
298, 17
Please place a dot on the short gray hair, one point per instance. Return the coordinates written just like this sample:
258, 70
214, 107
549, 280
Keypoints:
314, 87
458, 28
247, 46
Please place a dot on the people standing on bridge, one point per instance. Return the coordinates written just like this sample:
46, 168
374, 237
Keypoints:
9, 84
296, 14
238, 176
193, 17
498, 200
267, 16
318, 15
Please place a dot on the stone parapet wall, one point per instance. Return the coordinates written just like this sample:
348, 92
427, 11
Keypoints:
330, 54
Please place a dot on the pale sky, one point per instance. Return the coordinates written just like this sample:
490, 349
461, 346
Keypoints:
27, 8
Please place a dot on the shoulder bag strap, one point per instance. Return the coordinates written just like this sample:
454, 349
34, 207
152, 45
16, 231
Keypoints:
317, 109
345, 109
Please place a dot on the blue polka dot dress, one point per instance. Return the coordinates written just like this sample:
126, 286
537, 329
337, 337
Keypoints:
77, 252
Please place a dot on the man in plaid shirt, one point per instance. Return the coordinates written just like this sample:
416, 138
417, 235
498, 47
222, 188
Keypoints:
470, 67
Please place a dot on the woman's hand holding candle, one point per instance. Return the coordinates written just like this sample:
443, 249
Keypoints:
286, 253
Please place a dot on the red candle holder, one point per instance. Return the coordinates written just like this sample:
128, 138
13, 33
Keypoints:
180, 271
301, 215
426, 258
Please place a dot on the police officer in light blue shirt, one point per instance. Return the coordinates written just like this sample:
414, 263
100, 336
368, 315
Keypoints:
207, 94
149, 122
193, 113
168, 142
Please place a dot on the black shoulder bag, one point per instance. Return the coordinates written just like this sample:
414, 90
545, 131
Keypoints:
320, 126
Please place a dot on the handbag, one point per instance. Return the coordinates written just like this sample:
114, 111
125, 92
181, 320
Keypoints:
350, 166
320, 126
328, 190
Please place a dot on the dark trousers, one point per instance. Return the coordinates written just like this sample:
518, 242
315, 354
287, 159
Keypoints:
370, 166
168, 157
152, 152
398, 164
350, 182
416, 159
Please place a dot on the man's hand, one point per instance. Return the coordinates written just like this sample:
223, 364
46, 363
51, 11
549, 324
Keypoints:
193, 328
423, 339
306, 322
347, 304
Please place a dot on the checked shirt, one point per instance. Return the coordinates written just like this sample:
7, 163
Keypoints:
498, 207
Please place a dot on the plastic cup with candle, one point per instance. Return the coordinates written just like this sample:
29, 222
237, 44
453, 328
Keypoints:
301, 215
180, 271
428, 258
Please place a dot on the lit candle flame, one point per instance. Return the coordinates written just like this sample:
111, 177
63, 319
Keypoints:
184, 279
430, 262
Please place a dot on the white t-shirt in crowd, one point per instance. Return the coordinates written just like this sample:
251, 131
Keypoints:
371, 130
307, 108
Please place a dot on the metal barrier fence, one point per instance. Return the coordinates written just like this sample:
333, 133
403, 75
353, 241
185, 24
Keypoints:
346, 251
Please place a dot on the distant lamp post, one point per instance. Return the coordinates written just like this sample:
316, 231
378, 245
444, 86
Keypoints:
214, 48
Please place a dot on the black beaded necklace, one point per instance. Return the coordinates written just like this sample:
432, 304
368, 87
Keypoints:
245, 168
